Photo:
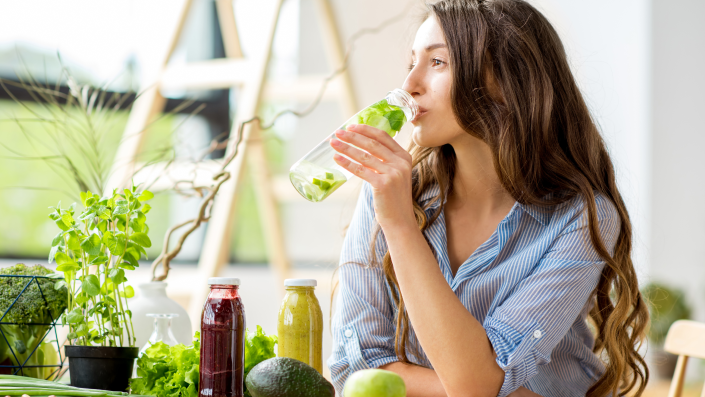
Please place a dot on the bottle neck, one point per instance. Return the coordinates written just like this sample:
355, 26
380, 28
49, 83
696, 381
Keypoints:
299, 289
222, 291
162, 325
402, 98
153, 289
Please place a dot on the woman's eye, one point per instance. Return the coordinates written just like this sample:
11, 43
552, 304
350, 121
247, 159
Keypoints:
437, 62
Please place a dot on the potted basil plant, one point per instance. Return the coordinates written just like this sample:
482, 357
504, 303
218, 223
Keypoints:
94, 250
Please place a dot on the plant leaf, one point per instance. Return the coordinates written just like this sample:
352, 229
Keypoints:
91, 285
116, 244
129, 292
73, 243
52, 253
141, 239
99, 260
145, 196
75, 316
121, 210
117, 276
91, 245
57, 239
82, 298
68, 266
103, 212
129, 258
67, 218
60, 223
62, 258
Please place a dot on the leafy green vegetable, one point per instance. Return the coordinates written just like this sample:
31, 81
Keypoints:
32, 315
168, 371
258, 347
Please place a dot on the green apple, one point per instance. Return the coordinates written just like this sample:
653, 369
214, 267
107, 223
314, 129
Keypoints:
374, 383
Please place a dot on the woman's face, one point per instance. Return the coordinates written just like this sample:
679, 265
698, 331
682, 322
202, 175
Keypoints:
429, 82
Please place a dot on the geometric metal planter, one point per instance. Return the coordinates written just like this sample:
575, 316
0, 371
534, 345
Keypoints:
15, 357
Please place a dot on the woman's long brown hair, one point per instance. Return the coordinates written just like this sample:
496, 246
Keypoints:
544, 144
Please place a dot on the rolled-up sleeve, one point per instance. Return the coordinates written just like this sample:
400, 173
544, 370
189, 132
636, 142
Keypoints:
529, 324
363, 325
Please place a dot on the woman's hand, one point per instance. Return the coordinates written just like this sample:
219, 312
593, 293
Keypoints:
386, 166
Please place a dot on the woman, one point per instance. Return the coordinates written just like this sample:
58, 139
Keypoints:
499, 260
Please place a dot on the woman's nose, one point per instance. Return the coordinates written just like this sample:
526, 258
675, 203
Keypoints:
412, 83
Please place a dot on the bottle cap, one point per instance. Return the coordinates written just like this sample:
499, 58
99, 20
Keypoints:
300, 282
223, 281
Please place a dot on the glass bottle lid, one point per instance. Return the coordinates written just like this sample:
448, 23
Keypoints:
300, 282
223, 281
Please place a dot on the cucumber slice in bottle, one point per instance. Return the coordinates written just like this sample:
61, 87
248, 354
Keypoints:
382, 123
325, 185
329, 175
316, 182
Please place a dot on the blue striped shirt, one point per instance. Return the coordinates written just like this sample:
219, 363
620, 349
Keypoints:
529, 285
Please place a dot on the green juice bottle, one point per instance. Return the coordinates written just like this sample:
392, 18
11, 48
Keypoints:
300, 325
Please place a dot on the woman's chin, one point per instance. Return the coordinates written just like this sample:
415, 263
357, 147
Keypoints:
424, 138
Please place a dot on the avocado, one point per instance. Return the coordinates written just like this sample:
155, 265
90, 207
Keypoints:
287, 377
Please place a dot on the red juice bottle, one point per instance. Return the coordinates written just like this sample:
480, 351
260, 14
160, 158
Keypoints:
222, 340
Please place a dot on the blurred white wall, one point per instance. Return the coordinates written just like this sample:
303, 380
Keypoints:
677, 192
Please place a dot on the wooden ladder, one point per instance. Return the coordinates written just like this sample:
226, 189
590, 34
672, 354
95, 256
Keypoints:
248, 74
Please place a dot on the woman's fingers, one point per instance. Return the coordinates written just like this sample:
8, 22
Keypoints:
381, 137
362, 157
369, 144
363, 172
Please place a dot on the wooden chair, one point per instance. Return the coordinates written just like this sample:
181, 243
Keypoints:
686, 339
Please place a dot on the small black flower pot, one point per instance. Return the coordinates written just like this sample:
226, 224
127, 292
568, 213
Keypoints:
101, 367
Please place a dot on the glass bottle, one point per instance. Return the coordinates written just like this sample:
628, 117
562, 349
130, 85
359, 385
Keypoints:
222, 340
317, 175
300, 325
162, 330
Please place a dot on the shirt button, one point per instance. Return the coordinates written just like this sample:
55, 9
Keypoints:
537, 334
348, 333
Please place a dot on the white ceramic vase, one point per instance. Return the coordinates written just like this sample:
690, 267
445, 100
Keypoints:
151, 298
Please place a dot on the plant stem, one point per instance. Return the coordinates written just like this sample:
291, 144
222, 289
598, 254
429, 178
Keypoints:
127, 307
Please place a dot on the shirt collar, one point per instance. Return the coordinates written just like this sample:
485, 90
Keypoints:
541, 214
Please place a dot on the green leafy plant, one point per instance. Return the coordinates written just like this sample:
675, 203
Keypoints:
165, 370
28, 308
93, 251
666, 306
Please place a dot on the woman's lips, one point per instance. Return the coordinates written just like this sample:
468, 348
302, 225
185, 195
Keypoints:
420, 113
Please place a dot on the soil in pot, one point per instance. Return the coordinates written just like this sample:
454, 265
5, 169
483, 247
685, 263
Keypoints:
101, 367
